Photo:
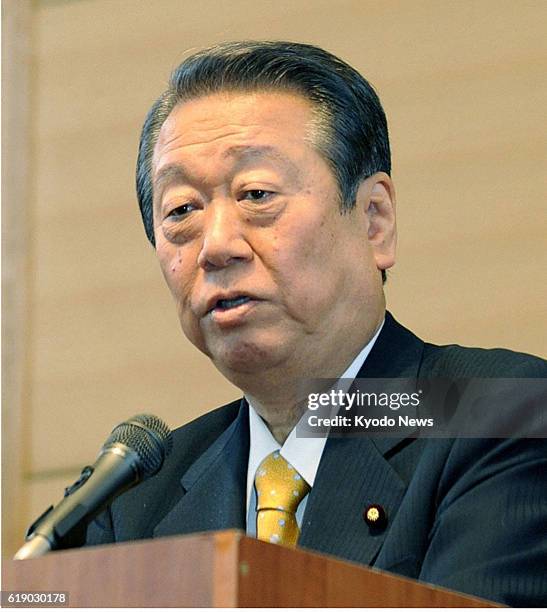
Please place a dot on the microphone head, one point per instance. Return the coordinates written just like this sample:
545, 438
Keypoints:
147, 436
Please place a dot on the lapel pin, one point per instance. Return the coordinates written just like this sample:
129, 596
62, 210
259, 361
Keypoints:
375, 516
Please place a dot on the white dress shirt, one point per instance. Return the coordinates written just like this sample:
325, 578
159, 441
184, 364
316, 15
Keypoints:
304, 454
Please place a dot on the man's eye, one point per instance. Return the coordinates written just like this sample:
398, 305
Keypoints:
179, 211
256, 195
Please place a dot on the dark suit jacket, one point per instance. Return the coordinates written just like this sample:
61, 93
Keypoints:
467, 514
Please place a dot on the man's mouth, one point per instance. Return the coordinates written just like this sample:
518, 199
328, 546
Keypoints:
233, 303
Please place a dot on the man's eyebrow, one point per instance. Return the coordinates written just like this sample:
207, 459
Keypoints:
172, 173
250, 153
257, 152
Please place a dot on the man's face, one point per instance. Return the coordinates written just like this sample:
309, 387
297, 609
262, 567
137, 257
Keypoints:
265, 271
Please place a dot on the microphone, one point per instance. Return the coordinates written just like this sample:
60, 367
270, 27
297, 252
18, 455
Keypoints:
134, 451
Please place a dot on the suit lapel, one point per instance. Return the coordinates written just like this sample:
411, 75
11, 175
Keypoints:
214, 486
355, 472
352, 475
397, 353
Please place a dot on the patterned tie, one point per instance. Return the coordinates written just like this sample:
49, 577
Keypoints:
279, 489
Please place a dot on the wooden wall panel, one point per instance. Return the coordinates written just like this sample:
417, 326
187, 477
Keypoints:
463, 86
16, 170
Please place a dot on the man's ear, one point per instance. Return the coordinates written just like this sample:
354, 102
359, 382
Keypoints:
376, 196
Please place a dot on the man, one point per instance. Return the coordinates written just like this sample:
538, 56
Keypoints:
264, 184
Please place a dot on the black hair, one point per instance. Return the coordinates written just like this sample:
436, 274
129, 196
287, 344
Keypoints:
351, 126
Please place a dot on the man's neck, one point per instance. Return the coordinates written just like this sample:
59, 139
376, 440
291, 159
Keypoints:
281, 407
280, 417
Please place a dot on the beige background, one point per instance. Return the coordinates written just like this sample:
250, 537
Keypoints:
90, 333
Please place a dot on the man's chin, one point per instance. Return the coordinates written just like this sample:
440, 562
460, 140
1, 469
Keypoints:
244, 357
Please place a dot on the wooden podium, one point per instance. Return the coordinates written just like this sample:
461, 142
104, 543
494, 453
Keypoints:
218, 569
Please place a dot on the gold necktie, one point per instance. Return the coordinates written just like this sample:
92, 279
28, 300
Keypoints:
279, 489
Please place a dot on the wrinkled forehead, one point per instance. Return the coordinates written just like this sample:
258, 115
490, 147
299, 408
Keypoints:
235, 129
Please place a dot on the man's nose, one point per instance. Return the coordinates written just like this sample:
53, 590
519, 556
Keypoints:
224, 240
